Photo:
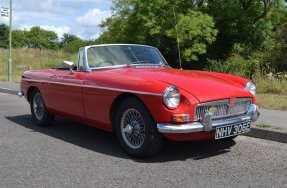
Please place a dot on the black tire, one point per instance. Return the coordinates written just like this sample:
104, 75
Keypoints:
133, 123
39, 112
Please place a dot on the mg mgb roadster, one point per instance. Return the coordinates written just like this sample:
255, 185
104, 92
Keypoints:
131, 90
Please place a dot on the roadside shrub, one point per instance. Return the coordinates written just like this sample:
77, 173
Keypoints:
236, 65
269, 83
73, 46
251, 68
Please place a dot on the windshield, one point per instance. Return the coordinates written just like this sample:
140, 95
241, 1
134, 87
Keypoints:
129, 55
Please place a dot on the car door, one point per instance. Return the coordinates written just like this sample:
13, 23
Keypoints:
66, 91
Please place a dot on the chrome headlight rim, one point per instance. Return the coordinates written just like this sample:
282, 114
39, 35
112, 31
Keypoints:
251, 87
171, 97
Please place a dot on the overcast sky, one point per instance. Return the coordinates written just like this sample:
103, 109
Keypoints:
78, 17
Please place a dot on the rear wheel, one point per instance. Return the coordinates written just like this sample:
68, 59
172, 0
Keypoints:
136, 129
39, 112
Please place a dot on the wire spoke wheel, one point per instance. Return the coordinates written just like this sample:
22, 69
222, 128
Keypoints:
136, 130
39, 112
133, 128
38, 106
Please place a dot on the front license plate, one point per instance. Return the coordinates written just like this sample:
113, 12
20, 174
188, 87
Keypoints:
232, 130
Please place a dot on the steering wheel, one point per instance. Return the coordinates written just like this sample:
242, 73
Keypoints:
105, 61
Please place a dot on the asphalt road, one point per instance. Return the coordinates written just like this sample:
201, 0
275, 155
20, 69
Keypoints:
69, 154
273, 117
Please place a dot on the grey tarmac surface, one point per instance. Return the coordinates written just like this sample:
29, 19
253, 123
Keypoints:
273, 117
10, 86
70, 154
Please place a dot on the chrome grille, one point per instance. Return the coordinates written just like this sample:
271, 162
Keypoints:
224, 109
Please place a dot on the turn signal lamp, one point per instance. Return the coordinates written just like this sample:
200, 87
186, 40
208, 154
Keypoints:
181, 118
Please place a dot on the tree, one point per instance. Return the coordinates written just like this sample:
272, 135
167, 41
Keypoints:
275, 46
239, 23
67, 38
208, 29
40, 38
74, 45
19, 39
195, 32
4, 36
147, 22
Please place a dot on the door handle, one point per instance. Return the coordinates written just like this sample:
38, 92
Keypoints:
53, 76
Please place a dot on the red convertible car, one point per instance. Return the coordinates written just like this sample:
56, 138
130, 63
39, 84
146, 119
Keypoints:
130, 89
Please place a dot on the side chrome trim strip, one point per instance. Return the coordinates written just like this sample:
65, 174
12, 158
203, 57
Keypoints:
95, 87
31, 80
123, 90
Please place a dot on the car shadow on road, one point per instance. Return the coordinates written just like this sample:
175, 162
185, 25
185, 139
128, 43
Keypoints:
106, 143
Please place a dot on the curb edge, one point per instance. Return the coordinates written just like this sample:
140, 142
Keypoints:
267, 135
8, 91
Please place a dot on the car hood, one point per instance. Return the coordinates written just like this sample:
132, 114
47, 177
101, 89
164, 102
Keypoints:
205, 86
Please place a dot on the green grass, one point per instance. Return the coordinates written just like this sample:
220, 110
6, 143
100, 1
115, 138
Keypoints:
271, 85
271, 92
28, 59
272, 101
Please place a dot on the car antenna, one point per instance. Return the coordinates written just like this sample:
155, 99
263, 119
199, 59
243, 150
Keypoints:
178, 48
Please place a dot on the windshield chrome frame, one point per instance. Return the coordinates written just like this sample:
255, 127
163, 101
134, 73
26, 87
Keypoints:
88, 69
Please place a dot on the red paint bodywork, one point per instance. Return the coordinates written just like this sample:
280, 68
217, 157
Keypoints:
88, 97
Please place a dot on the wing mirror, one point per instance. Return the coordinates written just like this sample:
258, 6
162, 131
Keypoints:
69, 64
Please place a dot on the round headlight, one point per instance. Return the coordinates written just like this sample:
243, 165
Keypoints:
171, 97
250, 86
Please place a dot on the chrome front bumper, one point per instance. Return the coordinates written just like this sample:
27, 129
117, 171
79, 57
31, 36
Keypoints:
207, 124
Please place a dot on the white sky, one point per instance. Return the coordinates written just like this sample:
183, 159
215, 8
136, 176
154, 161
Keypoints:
78, 17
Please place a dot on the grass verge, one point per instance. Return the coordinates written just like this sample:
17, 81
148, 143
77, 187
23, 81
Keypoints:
272, 101
271, 85
28, 59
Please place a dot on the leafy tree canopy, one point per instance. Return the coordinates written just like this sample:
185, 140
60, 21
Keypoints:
40, 38
4, 36
207, 29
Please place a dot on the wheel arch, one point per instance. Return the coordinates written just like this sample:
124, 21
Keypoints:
118, 101
30, 91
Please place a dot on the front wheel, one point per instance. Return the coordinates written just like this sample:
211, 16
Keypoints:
136, 129
39, 112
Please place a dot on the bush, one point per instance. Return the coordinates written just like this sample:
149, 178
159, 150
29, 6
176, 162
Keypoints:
74, 46
236, 65
271, 84
251, 68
